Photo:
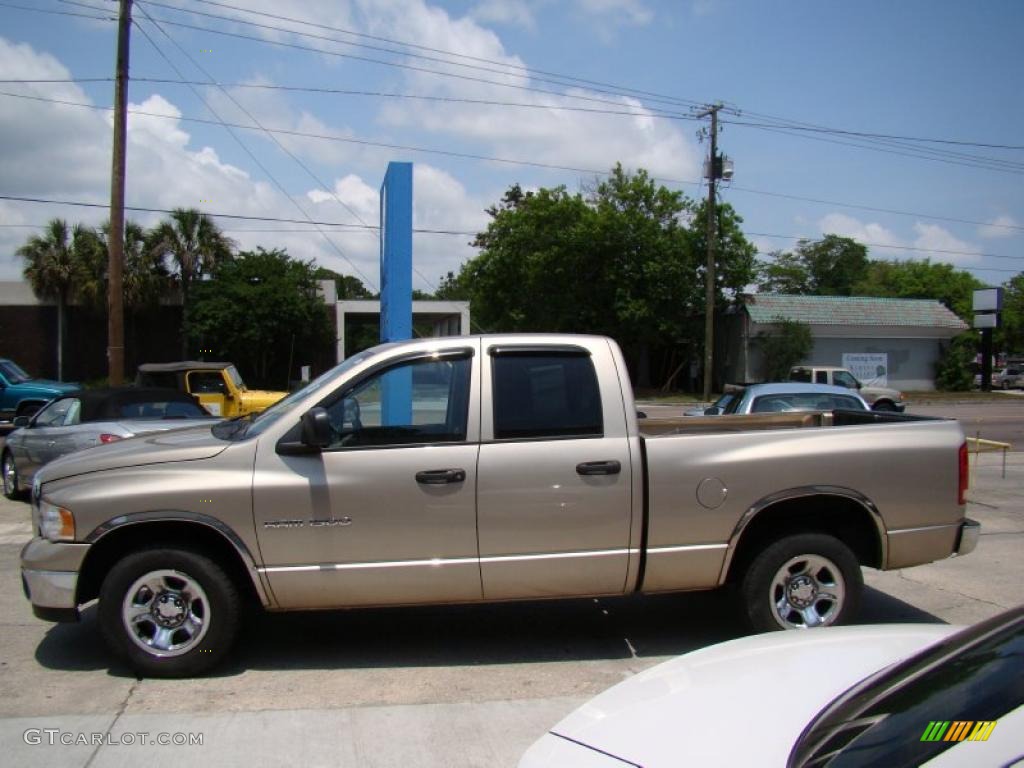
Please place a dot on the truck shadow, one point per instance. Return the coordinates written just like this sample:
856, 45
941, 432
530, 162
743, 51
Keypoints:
441, 636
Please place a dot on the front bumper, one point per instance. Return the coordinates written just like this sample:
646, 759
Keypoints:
49, 577
970, 531
52, 594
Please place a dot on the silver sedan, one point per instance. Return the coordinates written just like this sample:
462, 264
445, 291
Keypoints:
88, 418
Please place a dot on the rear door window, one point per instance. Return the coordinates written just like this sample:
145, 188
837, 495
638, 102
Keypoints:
545, 395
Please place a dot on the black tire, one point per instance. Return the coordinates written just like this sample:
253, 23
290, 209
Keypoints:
178, 586
799, 577
10, 481
884, 406
28, 408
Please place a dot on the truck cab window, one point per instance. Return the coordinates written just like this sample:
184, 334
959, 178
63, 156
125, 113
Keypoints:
416, 402
540, 395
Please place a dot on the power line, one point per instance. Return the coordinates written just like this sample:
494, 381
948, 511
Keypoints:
532, 71
348, 140
503, 68
569, 80
55, 12
245, 148
429, 231
533, 164
232, 216
895, 247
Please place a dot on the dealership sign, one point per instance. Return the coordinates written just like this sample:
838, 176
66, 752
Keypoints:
870, 368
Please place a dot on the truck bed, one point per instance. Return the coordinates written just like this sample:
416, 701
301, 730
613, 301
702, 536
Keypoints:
654, 428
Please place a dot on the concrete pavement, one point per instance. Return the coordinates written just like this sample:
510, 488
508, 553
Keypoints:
418, 687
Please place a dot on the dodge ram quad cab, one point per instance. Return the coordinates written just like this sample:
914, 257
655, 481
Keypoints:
486, 468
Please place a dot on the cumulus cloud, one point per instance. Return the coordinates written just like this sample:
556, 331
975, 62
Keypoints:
440, 201
929, 241
629, 11
869, 233
932, 237
516, 13
1000, 227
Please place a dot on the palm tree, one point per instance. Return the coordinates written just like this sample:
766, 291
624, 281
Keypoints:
193, 244
50, 268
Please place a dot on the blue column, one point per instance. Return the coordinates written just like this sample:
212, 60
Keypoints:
396, 285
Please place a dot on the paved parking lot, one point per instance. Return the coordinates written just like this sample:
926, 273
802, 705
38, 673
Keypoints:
455, 686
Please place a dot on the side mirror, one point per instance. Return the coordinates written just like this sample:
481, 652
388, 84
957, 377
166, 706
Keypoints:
711, 410
314, 433
21, 421
316, 428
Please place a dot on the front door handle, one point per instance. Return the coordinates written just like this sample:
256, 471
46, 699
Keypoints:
598, 468
441, 476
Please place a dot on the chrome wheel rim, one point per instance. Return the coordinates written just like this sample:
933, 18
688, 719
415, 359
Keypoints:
10, 476
166, 613
807, 591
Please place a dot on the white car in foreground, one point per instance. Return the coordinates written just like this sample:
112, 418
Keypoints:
896, 695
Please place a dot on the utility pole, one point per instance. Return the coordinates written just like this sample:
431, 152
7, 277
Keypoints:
714, 170
115, 238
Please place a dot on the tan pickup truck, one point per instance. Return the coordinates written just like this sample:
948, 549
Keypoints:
460, 470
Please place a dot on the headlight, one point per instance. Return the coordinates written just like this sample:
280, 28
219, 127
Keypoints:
56, 523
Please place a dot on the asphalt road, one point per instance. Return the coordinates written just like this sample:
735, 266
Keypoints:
446, 686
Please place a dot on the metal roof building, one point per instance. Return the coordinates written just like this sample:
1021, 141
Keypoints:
903, 337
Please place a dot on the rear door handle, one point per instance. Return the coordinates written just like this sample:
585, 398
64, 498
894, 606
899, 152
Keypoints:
441, 476
598, 468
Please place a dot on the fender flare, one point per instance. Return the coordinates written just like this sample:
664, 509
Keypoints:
802, 492
194, 518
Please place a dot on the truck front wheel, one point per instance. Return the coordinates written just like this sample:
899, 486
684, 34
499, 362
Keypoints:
169, 612
801, 581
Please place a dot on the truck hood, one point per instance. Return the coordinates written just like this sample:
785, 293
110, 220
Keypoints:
188, 444
743, 702
264, 398
48, 385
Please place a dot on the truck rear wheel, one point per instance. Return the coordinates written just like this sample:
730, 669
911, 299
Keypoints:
801, 581
169, 612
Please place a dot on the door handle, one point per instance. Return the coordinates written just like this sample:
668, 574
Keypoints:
598, 468
440, 476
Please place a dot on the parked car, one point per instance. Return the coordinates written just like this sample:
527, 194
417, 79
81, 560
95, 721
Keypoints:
879, 398
87, 418
888, 695
21, 395
1008, 378
715, 409
788, 398
483, 468
218, 386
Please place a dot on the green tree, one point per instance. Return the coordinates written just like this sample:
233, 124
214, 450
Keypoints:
953, 370
1011, 335
347, 287
831, 266
780, 351
193, 246
735, 256
262, 310
52, 269
921, 279
785, 273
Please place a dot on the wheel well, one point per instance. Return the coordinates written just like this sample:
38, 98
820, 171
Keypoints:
28, 403
194, 537
845, 518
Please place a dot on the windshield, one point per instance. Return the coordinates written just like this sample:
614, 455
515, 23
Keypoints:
973, 677
235, 377
255, 424
13, 373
